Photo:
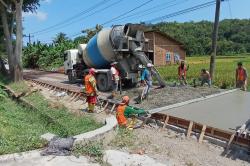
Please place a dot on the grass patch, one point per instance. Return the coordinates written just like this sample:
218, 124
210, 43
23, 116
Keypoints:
21, 128
224, 72
123, 138
94, 149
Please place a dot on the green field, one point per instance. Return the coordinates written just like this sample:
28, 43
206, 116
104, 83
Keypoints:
224, 72
21, 128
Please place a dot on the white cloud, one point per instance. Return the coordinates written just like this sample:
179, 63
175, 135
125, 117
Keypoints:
41, 16
47, 1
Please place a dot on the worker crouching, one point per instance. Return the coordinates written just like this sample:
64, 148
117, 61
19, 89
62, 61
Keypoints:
124, 111
120, 116
205, 77
91, 90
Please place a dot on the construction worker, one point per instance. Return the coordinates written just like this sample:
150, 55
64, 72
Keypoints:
146, 80
241, 77
124, 111
182, 73
205, 77
91, 90
115, 78
121, 119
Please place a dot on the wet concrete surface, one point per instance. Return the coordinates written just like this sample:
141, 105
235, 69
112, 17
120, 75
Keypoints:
225, 112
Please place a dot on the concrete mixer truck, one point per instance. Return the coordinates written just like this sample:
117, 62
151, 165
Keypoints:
124, 44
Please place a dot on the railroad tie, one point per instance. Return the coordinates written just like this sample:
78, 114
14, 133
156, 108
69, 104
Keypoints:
230, 141
77, 97
113, 107
165, 123
190, 129
105, 107
75, 94
202, 133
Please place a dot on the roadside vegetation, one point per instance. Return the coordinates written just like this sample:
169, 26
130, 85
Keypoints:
123, 138
50, 56
233, 36
224, 72
22, 127
93, 149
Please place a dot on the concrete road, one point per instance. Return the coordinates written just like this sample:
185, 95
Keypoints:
224, 112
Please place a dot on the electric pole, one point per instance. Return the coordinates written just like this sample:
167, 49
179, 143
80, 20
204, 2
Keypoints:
214, 38
29, 36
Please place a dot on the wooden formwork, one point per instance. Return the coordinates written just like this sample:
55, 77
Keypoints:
213, 132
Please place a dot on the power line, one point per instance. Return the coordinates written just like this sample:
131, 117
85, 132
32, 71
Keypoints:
197, 7
230, 9
81, 18
125, 13
145, 13
73, 17
113, 19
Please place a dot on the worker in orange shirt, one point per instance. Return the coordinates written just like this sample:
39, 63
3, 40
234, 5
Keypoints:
121, 119
124, 111
241, 77
91, 90
182, 73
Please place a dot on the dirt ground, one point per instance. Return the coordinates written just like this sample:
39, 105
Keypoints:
164, 146
174, 148
168, 95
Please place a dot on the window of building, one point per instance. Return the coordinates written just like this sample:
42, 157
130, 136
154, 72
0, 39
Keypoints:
176, 57
168, 56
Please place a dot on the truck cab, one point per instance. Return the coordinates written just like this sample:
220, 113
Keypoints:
70, 59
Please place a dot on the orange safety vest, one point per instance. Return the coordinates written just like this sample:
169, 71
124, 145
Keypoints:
241, 74
182, 72
120, 115
88, 86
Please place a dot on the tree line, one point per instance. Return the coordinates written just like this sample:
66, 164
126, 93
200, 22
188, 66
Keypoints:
49, 56
233, 37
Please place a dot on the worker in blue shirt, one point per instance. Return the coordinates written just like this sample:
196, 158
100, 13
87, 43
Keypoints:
146, 80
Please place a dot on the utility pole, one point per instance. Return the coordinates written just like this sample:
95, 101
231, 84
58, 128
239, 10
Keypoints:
29, 36
214, 38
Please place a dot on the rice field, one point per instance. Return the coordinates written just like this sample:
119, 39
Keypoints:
224, 73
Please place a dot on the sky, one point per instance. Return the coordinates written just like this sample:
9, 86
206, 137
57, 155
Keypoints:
73, 16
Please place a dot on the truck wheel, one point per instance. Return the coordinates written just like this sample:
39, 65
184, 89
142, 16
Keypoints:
71, 77
102, 82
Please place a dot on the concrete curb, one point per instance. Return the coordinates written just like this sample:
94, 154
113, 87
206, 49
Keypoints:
110, 123
189, 101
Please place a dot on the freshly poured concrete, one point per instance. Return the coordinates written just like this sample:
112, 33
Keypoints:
226, 112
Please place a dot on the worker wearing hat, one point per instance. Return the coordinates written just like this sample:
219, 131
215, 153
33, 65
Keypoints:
241, 77
91, 89
121, 119
146, 79
115, 78
124, 111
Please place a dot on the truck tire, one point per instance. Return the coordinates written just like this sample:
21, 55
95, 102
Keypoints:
71, 77
102, 82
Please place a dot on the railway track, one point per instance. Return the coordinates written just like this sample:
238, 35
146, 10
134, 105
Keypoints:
241, 139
